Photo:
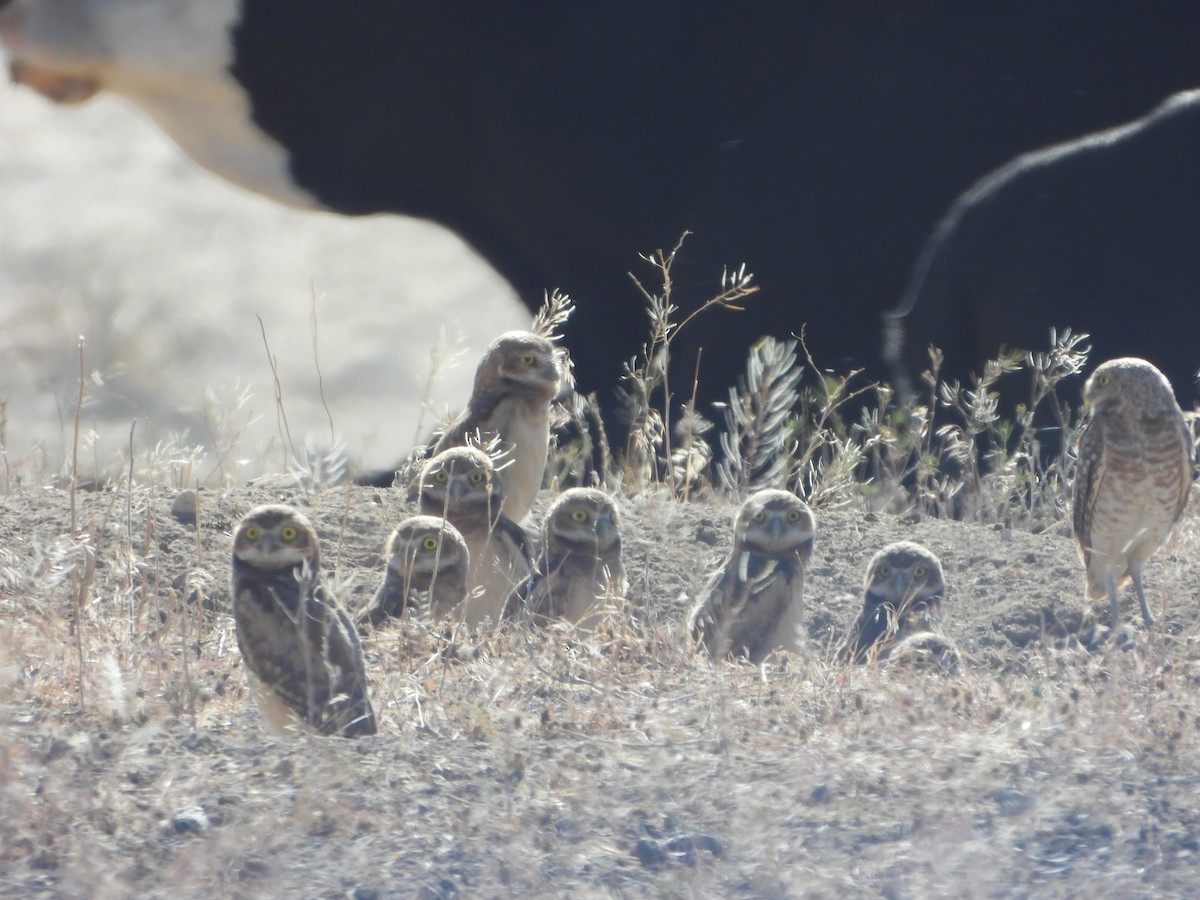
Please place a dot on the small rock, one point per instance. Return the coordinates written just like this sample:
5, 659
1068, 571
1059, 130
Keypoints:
184, 507
190, 820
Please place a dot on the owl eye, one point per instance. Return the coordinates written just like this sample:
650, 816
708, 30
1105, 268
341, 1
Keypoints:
477, 477
919, 571
884, 571
440, 477
579, 515
251, 533
1105, 379
760, 516
793, 515
526, 360
288, 533
430, 543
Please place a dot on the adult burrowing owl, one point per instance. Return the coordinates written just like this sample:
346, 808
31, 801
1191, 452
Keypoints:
461, 485
515, 384
427, 569
292, 633
753, 604
580, 564
902, 598
1133, 477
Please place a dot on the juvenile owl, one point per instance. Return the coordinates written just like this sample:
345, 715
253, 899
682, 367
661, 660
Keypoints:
1134, 473
515, 384
753, 605
427, 570
902, 599
460, 484
292, 633
580, 563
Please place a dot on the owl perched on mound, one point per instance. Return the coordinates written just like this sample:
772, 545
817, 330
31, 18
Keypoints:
428, 567
580, 563
1135, 470
460, 484
753, 604
515, 384
902, 602
292, 633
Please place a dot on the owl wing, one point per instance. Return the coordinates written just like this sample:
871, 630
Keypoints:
1089, 476
348, 710
391, 601
533, 594
872, 627
516, 538
475, 418
1188, 462
721, 600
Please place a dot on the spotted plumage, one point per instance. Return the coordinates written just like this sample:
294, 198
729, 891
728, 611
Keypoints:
293, 634
753, 605
579, 571
428, 564
1135, 470
460, 484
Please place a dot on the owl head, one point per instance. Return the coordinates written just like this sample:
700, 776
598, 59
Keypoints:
276, 537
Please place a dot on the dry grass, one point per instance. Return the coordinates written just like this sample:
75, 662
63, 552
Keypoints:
132, 761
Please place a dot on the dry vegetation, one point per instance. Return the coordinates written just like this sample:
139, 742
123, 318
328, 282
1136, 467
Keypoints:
132, 761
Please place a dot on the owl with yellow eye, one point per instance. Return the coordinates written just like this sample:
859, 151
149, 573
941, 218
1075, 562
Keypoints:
460, 485
515, 385
753, 604
902, 599
1135, 473
294, 636
427, 571
579, 573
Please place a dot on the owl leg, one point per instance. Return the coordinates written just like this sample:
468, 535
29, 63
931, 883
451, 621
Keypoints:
1110, 582
1136, 573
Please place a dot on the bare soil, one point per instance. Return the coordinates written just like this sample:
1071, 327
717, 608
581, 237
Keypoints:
621, 764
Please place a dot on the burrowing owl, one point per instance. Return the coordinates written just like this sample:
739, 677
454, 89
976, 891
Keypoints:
902, 598
292, 633
428, 567
1133, 477
461, 485
753, 604
580, 564
515, 384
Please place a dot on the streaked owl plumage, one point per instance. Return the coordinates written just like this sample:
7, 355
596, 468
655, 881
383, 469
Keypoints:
515, 384
428, 564
1135, 471
580, 564
461, 485
753, 605
902, 605
293, 634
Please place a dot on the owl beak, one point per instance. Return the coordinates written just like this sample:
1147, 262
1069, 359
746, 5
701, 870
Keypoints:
776, 527
604, 528
458, 489
901, 585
